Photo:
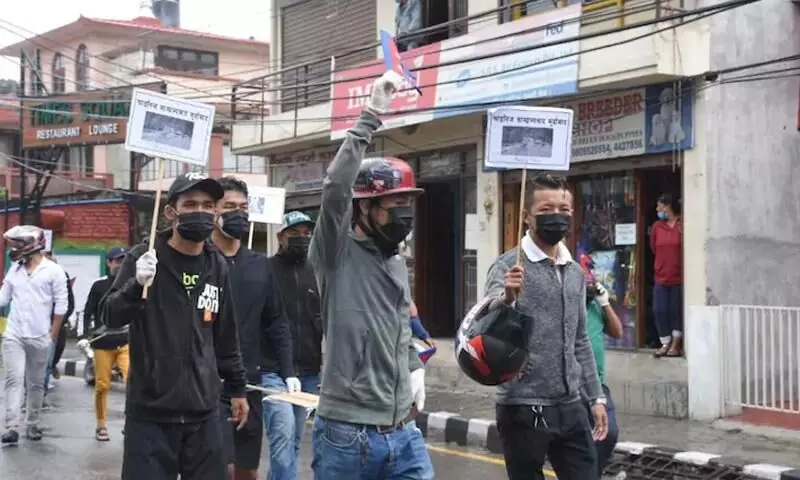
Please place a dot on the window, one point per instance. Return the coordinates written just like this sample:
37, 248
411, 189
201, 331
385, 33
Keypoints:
82, 69
80, 159
522, 8
242, 163
190, 61
59, 74
415, 15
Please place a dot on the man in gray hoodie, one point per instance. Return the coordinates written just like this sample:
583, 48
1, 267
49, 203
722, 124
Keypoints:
372, 378
540, 413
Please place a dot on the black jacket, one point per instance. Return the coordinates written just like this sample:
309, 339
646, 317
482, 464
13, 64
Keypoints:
262, 322
178, 347
93, 327
298, 289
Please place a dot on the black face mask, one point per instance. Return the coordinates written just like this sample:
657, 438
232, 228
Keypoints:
297, 247
388, 237
195, 226
234, 224
551, 228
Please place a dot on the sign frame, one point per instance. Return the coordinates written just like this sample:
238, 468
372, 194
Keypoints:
264, 203
156, 119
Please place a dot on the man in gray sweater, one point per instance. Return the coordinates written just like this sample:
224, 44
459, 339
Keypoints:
540, 413
372, 377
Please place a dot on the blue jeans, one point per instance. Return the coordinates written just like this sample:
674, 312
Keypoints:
283, 425
605, 448
668, 309
358, 452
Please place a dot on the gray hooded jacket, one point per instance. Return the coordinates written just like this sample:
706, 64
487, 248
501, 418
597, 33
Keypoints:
560, 361
365, 299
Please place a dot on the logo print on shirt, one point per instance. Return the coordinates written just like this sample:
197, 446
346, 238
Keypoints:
209, 302
189, 280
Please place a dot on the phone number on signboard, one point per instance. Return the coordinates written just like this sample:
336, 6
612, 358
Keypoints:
607, 148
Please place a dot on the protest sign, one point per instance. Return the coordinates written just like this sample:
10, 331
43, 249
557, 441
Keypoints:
165, 127
537, 138
265, 205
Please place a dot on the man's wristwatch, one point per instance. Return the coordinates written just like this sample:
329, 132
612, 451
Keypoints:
600, 401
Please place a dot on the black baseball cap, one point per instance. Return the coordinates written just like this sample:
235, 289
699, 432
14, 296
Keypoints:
116, 252
195, 181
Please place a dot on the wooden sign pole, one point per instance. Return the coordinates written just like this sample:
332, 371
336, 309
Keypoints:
520, 233
156, 209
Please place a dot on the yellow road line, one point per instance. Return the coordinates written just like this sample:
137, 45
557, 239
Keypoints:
478, 458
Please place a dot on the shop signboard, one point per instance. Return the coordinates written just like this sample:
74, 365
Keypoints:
86, 118
348, 97
507, 77
304, 170
651, 119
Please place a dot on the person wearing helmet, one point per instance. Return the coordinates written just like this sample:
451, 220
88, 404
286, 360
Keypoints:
372, 379
540, 412
37, 290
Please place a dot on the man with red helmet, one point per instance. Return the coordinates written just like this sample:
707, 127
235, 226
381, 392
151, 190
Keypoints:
37, 290
372, 377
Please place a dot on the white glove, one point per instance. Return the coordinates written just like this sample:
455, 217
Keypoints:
418, 388
382, 91
146, 268
293, 385
602, 295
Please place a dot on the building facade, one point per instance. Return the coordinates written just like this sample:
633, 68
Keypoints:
646, 82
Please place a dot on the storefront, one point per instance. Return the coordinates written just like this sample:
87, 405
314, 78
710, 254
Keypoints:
624, 158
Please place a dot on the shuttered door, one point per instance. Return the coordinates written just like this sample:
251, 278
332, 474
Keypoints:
316, 30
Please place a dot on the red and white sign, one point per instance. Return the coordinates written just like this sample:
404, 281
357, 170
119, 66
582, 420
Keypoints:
348, 98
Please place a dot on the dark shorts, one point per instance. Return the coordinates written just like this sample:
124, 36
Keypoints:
243, 447
162, 451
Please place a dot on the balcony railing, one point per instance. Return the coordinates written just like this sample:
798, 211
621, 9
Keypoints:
307, 84
60, 182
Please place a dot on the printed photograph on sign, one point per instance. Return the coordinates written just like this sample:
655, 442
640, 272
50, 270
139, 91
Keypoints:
537, 138
170, 128
266, 204
527, 141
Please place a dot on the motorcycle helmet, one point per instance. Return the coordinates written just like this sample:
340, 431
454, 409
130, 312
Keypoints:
24, 240
378, 177
491, 346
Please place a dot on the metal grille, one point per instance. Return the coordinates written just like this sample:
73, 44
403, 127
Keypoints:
662, 465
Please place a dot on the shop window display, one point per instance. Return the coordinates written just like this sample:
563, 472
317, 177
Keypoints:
606, 243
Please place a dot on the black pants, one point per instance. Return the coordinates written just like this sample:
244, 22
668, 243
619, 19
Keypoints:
560, 433
243, 447
162, 451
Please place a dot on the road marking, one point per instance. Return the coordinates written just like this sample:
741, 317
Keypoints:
479, 458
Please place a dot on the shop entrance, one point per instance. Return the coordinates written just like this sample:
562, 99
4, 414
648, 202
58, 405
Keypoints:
654, 182
437, 245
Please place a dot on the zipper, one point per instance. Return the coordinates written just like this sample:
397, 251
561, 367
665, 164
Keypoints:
293, 322
562, 282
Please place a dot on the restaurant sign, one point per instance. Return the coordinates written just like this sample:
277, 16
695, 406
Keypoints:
85, 118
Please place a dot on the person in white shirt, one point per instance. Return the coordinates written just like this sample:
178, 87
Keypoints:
36, 288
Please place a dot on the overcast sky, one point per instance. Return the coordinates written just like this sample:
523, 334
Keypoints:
235, 18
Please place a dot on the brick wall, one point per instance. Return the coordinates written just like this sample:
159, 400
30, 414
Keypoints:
91, 224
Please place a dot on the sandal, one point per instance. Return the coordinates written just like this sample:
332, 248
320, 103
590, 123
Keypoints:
101, 434
663, 351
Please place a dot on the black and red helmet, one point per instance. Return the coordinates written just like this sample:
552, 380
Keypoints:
491, 345
378, 177
24, 240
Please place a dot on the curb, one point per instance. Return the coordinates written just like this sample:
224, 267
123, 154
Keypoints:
476, 432
72, 368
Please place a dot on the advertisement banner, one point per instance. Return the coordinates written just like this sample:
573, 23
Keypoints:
652, 119
534, 73
86, 118
348, 98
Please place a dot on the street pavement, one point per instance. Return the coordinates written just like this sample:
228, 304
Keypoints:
70, 452
682, 435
